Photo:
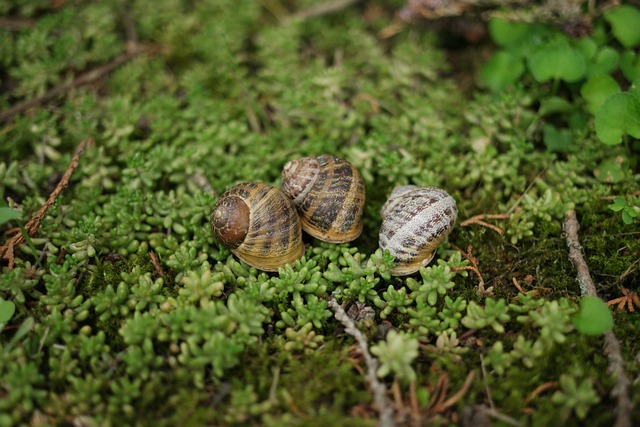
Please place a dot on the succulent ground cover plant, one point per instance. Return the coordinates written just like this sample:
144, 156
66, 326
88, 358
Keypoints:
123, 122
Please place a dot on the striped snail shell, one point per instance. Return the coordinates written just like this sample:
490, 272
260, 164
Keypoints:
415, 221
329, 194
259, 225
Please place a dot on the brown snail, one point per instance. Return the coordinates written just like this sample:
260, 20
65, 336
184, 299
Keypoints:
259, 225
328, 193
415, 221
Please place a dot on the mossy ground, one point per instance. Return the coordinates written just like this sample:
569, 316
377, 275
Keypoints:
224, 92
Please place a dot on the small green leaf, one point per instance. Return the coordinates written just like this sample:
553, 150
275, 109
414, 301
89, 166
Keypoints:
604, 61
507, 33
7, 308
594, 317
618, 204
627, 218
8, 214
619, 115
557, 61
630, 65
557, 140
553, 105
587, 47
597, 90
611, 170
502, 70
625, 21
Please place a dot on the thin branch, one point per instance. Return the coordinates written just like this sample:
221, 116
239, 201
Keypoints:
329, 7
32, 226
620, 390
16, 24
478, 219
458, 395
84, 79
487, 390
378, 389
571, 227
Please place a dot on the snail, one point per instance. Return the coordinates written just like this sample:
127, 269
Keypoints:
328, 193
415, 221
259, 225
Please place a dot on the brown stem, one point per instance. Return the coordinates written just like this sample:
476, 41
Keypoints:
31, 227
378, 389
86, 78
620, 390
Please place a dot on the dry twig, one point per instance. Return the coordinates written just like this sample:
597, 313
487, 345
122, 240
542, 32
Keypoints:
84, 79
156, 264
620, 390
439, 404
473, 267
31, 227
479, 219
329, 7
378, 389
541, 389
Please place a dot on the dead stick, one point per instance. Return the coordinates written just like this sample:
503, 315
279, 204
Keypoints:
31, 227
571, 228
86, 78
377, 388
327, 8
620, 390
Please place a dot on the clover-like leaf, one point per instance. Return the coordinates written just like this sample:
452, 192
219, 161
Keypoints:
611, 170
597, 90
604, 61
625, 21
618, 116
557, 140
508, 33
502, 70
630, 65
557, 61
594, 317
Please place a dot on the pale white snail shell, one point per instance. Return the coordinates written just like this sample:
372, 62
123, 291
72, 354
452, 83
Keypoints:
415, 221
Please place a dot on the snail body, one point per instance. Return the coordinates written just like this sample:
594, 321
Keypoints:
328, 193
415, 221
259, 225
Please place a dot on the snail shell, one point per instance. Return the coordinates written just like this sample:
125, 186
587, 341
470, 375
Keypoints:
415, 221
259, 225
328, 193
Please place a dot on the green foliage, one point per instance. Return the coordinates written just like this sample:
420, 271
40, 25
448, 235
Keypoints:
557, 60
8, 214
396, 355
594, 317
588, 63
617, 117
575, 396
7, 309
493, 314
629, 212
622, 20
123, 307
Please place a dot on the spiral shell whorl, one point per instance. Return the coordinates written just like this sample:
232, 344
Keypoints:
230, 221
415, 222
298, 177
329, 195
273, 237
